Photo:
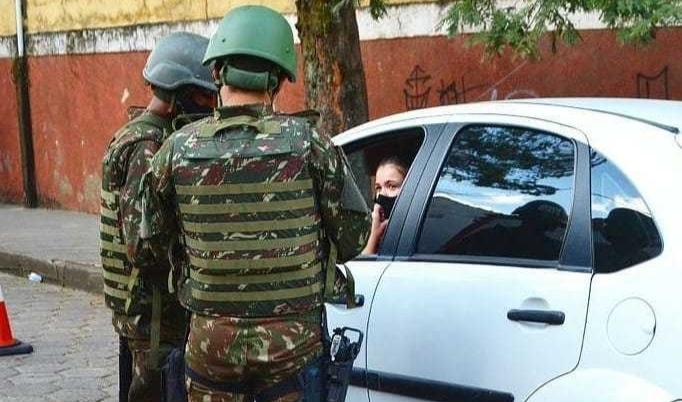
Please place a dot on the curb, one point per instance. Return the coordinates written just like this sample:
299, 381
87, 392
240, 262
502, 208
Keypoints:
65, 273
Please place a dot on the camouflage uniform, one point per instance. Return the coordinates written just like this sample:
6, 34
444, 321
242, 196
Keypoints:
258, 197
126, 160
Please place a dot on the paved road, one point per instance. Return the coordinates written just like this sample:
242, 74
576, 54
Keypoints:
75, 354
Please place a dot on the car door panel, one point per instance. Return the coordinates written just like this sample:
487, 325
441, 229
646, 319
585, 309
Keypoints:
447, 320
453, 327
366, 275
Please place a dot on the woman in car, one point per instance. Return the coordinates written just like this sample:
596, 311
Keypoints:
388, 181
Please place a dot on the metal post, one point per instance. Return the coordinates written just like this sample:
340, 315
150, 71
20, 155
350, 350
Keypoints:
24, 113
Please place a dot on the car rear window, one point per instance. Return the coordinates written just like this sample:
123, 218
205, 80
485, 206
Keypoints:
623, 232
501, 192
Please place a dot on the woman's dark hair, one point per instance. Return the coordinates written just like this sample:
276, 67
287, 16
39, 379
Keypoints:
397, 161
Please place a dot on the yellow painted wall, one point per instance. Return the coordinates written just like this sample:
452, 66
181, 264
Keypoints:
67, 15
8, 25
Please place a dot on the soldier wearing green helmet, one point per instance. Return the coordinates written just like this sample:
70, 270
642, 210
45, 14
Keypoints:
265, 206
179, 84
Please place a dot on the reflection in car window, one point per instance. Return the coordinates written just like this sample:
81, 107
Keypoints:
623, 232
502, 192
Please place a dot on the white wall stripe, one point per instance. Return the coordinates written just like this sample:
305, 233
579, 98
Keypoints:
409, 20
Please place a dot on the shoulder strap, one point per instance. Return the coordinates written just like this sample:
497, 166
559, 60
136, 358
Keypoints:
261, 125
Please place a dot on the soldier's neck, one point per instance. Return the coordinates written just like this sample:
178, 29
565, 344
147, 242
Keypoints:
232, 96
160, 108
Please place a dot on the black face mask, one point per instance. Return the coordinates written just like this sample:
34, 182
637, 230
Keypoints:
386, 203
187, 106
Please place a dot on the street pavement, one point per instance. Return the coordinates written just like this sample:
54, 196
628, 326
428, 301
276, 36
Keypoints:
61, 246
75, 350
75, 357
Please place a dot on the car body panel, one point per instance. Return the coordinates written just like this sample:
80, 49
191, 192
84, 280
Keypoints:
440, 324
366, 275
448, 322
600, 385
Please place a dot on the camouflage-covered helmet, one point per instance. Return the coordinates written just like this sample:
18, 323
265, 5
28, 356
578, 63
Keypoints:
176, 62
255, 31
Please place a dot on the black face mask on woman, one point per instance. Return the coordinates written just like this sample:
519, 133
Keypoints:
386, 203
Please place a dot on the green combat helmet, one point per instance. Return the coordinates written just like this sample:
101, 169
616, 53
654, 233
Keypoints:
256, 32
175, 63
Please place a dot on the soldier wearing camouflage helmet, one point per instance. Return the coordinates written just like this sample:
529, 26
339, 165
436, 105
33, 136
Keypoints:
179, 84
266, 207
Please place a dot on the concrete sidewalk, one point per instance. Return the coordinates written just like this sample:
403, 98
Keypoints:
62, 246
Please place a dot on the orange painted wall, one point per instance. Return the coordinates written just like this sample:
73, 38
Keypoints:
11, 184
78, 101
599, 66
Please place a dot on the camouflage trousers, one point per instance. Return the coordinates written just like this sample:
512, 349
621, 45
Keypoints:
145, 384
146, 380
260, 352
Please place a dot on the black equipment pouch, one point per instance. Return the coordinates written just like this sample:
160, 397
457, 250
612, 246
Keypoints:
342, 354
173, 371
125, 369
173, 377
327, 378
310, 382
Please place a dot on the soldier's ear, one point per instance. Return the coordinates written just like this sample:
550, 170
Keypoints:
215, 72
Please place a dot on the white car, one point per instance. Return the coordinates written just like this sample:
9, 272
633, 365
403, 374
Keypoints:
533, 254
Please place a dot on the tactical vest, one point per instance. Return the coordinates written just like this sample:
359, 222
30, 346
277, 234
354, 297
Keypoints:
250, 222
121, 280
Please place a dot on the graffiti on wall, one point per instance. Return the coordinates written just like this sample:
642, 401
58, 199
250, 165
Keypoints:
454, 92
417, 91
418, 88
653, 86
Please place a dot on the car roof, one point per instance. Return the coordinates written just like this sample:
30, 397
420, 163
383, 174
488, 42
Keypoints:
664, 114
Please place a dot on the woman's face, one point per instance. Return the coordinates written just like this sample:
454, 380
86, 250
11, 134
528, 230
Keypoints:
388, 180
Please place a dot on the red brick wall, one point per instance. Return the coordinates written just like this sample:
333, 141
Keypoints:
11, 184
78, 101
443, 71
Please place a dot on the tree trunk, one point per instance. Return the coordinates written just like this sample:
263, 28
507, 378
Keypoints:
334, 77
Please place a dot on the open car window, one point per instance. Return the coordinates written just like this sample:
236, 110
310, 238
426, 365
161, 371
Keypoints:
364, 157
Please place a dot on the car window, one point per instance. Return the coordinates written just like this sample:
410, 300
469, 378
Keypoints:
502, 192
623, 232
364, 156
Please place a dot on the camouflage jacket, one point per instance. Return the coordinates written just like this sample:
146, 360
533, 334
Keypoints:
125, 162
243, 158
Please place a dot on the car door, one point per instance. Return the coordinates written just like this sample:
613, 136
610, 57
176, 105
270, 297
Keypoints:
487, 296
415, 142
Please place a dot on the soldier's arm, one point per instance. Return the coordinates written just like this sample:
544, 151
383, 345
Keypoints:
345, 215
152, 231
138, 163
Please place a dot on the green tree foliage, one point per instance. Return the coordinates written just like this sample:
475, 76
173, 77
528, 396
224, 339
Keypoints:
520, 27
